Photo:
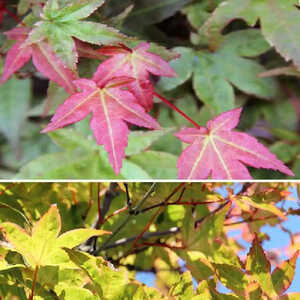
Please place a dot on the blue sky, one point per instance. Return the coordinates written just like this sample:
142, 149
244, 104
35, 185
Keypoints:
278, 239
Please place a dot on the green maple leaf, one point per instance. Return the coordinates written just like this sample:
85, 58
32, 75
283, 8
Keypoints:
280, 22
283, 275
260, 268
61, 23
110, 283
216, 73
43, 246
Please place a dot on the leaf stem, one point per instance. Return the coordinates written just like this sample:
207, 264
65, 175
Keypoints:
177, 109
100, 221
10, 14
34, 282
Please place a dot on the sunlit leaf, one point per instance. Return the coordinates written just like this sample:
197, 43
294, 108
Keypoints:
218, 152
259, 266
43, 245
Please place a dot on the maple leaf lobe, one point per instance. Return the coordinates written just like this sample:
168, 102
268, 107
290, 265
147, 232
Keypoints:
43, 57
221, 153
111, 107
136, 63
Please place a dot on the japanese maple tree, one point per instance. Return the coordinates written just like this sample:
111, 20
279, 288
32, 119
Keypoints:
118, 85
83, 240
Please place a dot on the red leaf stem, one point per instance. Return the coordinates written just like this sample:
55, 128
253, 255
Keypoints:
177, 109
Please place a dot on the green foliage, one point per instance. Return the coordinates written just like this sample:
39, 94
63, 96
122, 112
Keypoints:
233, 53
16, 95
62, 22
214, 71
66, 251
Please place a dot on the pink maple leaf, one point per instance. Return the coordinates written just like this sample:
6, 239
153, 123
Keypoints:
136, 63
111, 107
44, 59
221, 153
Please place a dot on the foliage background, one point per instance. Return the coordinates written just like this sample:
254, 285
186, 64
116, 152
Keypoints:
229, 65
214, 252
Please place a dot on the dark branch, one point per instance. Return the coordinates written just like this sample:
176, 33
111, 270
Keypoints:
147, 235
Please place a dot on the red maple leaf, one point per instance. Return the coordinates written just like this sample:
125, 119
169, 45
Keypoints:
136, 63
44, 59
111, 107
221, 153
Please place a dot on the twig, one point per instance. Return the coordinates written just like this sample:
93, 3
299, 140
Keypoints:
179, 203
110, 194
250, 220
147, 226
159, 244
128, 200
181, 195
100, 220
157, 213
142, 201
147, 235
116, 212
197, 222
123, 224
108, 197
90, 202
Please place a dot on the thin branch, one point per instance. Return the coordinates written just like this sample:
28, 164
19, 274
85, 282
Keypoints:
142, 201
178, 203
100, 220
160, 244
116, 212
146, 236
197, 222
128, 200
181, 195
157, 213
124, 223
147, 226
90, 202
250, 220
110, 194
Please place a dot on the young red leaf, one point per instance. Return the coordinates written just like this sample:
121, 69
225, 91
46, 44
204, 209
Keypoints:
136, 63
43, 58
111, 108
17, 56
221, 153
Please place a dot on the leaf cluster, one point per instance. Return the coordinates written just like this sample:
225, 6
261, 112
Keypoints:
96, 237
232, 54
